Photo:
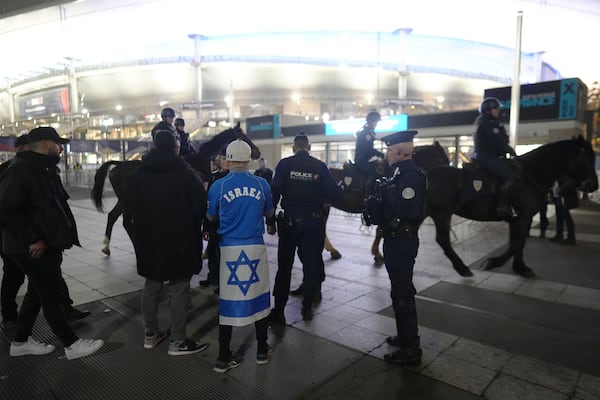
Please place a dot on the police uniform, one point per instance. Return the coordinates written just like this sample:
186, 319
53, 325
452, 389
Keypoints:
490, 142
404, 200
303, 183
364, 150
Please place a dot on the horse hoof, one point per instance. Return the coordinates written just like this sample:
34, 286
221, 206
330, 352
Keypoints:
336, 255
106, 251
490, 264
465, 272
378, 260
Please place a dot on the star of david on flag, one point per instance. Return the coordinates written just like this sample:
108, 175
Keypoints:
239, 277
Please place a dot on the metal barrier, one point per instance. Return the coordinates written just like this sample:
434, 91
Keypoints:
83, 178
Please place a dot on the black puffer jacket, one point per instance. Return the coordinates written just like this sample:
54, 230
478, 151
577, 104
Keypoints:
168, 208
33, 205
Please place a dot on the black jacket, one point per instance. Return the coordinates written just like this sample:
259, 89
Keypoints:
490, 138
169, 204
33, 205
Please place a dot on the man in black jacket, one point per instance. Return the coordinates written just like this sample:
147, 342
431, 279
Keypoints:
13, 277
168, 208
37, 225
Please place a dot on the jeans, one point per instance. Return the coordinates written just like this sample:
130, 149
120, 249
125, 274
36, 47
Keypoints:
179, 291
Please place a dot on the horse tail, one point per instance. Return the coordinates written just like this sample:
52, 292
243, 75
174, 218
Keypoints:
99, 179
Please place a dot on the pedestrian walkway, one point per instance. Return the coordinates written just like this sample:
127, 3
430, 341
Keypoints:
495, 335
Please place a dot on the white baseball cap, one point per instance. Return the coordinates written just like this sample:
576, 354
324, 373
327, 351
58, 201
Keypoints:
238, 150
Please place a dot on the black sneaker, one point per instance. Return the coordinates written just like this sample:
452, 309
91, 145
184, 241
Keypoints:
407, 357
185, 347
277, 317
224, 366
263, 358
299, 291
394, 341
151, 340
204, 283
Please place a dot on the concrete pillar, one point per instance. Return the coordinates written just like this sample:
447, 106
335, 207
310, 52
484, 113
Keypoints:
402, 64
11, 101
73, 89
197, 64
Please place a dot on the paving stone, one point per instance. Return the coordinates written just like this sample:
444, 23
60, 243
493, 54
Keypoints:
510, 388
588, 387
478, 353
549, 375
460, 373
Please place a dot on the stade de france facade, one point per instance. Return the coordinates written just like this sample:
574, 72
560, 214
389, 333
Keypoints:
289, 81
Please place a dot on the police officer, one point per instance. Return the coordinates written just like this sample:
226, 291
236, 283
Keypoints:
167, 116
490, 146
303, 183
364, 151
403, 202
186, 148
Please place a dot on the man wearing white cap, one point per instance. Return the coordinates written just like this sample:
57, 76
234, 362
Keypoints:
239, 201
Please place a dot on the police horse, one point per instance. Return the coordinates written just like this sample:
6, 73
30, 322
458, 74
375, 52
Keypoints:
353, 184
120, 178
471, 193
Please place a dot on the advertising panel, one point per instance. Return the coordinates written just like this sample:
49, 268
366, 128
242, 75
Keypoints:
45, 103
550, 100
392, 123
265, 127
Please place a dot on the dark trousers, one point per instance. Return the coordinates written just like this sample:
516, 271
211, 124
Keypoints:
12, 280
496, 166
213, 253
307, 234
399, 255
563, 216
225, 332
45, 291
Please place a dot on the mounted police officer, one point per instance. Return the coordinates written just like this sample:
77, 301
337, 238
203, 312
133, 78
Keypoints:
186, 148
303, 182
490, 147
167, 116
401, 213
364, 153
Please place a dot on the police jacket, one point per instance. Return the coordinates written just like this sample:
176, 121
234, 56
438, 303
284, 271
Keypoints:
265, 173
185, 147
169, 204
490, 138
405, 197
364, 145
303, 182
33, 205
212, 226
164, 126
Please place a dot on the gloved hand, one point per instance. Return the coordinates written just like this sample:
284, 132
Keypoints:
270, 222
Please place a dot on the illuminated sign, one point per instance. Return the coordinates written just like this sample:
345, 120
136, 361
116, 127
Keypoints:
45, 103
561, 99
393, 123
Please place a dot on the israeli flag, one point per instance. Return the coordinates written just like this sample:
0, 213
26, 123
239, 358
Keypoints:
244, 286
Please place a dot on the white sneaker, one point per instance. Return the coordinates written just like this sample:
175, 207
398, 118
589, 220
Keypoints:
82, 348
30, 347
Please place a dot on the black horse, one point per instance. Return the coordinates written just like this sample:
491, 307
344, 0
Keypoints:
426, 157
537, 170
120, 178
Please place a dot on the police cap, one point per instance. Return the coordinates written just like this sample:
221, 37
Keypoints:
399, 137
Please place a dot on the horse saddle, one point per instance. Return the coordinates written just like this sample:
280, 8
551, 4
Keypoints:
352, 179
478, 182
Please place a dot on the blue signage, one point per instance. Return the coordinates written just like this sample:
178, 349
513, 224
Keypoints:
392, 123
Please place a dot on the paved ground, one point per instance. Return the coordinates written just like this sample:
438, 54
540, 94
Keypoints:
494, 336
